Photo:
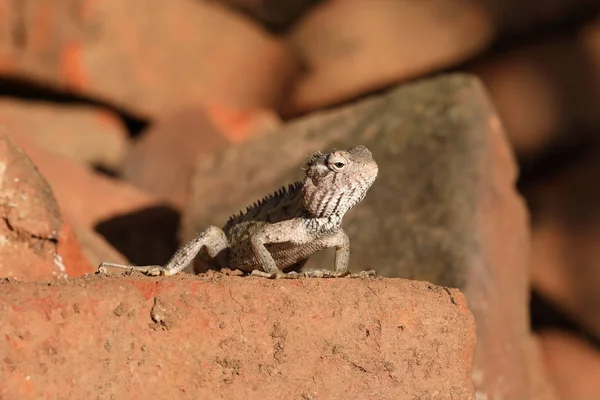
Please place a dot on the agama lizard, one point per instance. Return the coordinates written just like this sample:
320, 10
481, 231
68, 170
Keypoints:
285, 228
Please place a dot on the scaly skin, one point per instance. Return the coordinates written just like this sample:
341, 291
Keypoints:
284, 229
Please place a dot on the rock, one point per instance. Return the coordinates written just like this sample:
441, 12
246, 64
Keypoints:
573, 364
88, 197
161, 162
34, 241
84, 134
277, 16
241, 124
522, 17
443, 209
97, 249
566, 219
137, 224
353, 47
145, 57
541, 99
237, 338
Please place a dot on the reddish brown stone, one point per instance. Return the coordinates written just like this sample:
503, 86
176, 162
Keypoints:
168, 55
97, 249
235, 337
540, 98
352, 47
277, 16
34, 241
83, 134
72, 253
444, 200
566, 233
87, 197
573, 364
521, 17
162, 161
135, 223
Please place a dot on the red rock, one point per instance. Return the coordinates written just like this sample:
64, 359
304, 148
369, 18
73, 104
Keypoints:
235, 337
86, 196
34, 241
277, 16
566, 233
137, 224
522, 17
238, 124
172, 54
540, 98
353, 47
162, 161
97, 249
573, 364
84, 134
72, 253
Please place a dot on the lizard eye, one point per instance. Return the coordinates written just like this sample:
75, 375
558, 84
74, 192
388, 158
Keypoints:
336, 163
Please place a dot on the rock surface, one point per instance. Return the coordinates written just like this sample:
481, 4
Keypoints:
573, 364
565, 266
84, 134
35, 243
162, 161
539, 98
354, 47
137, 224
235, 337
277, 16
120, 52
443, 209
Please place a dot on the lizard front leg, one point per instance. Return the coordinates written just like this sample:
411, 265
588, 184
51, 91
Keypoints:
290, 231
341, 242
213, 239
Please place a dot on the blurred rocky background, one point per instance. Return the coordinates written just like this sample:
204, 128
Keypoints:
126, 108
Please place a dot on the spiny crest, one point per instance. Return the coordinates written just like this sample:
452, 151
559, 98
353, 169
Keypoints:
257, 206
316, 158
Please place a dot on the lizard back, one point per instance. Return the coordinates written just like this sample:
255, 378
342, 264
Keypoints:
281, 205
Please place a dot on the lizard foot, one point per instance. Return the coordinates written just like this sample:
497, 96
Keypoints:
276, 275
149, 270
364, 274
324, 273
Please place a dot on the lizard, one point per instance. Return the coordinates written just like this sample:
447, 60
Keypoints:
285, 228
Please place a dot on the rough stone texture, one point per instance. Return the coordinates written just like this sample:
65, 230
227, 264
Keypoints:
162, 161
443, 208
539, 97
137, 224
237, 338
565, 260
81, 133
122, 52
275, 15
34, 241
353, 47
88, 197
573, 364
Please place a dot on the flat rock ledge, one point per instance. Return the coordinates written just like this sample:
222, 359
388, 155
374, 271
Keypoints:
219, 336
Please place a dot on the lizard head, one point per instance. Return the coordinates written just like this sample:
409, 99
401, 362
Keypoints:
337, 181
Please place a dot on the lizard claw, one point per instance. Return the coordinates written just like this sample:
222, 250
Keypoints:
275, 275
364, 274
